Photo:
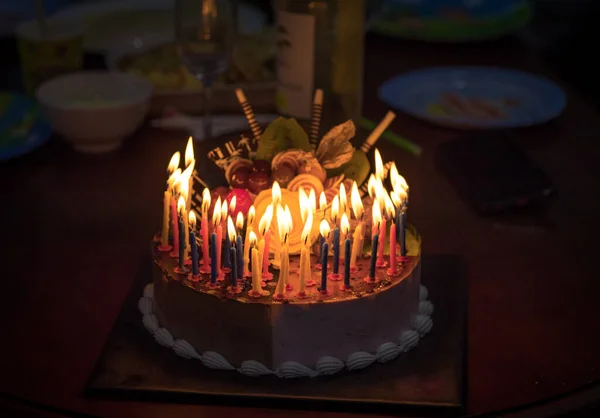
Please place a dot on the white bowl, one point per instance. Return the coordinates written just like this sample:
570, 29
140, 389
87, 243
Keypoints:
95, 110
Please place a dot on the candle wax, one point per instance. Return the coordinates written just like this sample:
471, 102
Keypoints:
336, 250
175, 226
219, 244
227, 253
303, 256
393, 249
324, 252
205, 253
194, 253
265, 254
234, 268
347, 262
240, 257
181, 244
403, 234
255, 270
164, 238
213, 256
382, 236
374, 256
356, 245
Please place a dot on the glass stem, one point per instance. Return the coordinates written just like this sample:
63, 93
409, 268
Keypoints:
207, 92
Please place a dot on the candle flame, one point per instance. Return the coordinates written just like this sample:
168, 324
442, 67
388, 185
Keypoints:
304, 203
192, 219
345, 224
239, 221
180, 205
251, 215
403, 196
335, 209
224, 210
265, 221
401, 183
216, 218
174, 178
232, 204
394, 174
378, 165
189, 151
307, 229
252, 239
184, 189
389, 207
322, 201
288, 214
188, 172
312, 200
376, 215
174, 163
357, 206
230, 229
281, 223
324, 228
276, 193
396, 200
372, 186
343, 198
205, 201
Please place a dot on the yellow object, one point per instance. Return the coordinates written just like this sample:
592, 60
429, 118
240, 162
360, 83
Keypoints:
45, 55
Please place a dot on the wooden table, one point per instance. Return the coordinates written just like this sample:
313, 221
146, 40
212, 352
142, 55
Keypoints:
75, 228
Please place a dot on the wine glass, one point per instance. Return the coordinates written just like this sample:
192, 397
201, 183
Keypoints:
205, 31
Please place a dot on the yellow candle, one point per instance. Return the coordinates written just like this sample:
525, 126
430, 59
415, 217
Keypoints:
304, 256
186, 230
283, 271
305, 252
249, 229
256, 265
357, 239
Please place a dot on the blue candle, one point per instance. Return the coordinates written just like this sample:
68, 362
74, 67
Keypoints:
399, 223
324, 251
374, 256
321, 242
234, 268
181, 243
213, 258
336, 250
402, 228
226, 252
194, 246
347, 262
240, 257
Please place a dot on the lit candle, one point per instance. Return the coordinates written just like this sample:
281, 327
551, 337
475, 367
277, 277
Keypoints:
175, 228
358, 236
324, 229
194, 245
264, 226
376, 227
372, 186
173, 175
375, 215
239, 225
305, 255
205, 255
218, 228
224, 212
343, 200
336, 239
183, 231
232, 253
379, 173
255, 265
214, 270
187, 175
346, 231
276, 199
284, 267
184, 216
249, 229
227, 259
232, 205
190, 163
402, 223
393, 268
288, 229
381, 197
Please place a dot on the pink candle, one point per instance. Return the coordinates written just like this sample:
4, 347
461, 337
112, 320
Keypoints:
266, 254
393, 248
382, 231
175, 227
205, 258
219, 245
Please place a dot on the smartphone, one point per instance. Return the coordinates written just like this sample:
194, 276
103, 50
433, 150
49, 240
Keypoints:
492, 173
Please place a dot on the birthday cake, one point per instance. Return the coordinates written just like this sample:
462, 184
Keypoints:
294, 270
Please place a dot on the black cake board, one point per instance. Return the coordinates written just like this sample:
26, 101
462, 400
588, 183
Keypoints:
427, 381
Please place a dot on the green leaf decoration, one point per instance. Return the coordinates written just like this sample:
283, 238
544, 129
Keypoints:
335, 148
281, 134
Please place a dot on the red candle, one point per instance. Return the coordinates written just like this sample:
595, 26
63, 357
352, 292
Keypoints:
205, 257
175, 227
382, 236
219, 245
393, 248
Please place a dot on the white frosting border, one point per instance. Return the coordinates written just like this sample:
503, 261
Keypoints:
325, 366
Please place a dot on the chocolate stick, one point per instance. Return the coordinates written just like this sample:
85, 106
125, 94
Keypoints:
315, 125
249, 113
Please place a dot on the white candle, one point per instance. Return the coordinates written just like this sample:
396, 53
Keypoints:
164, 238
305, 253
249, 229
256, 265
357, 240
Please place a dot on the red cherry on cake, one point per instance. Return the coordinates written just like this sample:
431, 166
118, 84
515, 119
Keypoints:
283, 175
262, 166
258, 181
243, 201
239, 178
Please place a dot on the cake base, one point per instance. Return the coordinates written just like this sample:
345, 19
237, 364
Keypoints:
428, 380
